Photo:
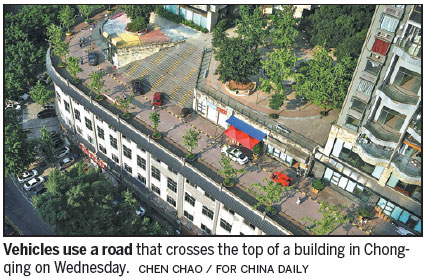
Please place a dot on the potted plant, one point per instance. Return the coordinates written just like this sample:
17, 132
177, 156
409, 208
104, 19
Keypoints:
67, 18
73, 67
228, 171
191, 139
267, 195
96, 84
155, 118
366, 212
256, 150
86, 10
317, 186
124, 104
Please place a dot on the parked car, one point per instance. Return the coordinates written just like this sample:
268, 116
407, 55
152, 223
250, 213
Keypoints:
57, 142
27, 175
235, 154
13, 105
40, 189
141, 211
65, 163
93, 58
61, 152
137, 87
49, 106
186, 112
158, 99
46, 113
281, 178
30, 184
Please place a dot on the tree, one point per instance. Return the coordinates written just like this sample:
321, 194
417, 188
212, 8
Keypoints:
86, 10
267, 194
47, 145
139, 15
96, 83
191, 139
40, 94
283, 28
228, 171
59, 47
14, 84
252, 25
238, 60
19, 152
276, 102
155, 119
332, 217
67, 17
124, 103
71, 195
73, 67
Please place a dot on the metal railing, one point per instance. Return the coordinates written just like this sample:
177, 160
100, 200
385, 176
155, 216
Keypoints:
395, 94
373, 150
379, 132
404, 164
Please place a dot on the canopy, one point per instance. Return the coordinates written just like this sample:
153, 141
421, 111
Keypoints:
380, 46
248, 129
240, 136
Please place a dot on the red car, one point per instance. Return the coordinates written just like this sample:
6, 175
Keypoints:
158, 99
281, 178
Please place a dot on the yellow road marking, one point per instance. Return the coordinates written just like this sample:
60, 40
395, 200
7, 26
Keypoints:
173, 66
187, 95
158, 82
174, 91
144, 73
133, 68
188, 51
158, 59
189, 74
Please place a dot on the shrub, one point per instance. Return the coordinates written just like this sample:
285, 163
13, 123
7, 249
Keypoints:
318, 185
273, 115
177, 19
366, 212
257, 149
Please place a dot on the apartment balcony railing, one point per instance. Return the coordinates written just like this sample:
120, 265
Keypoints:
374, 150
378, 131
400, 96
411, 48
405, 165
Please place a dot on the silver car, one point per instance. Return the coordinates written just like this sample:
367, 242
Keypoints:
235, 154
27, 175
33, 183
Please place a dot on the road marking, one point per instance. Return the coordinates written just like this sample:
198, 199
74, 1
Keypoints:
186, 96
144, 73
158, 82
173, 66
14, 226
189, 75
174, 91
158, 59
189, 51
133, 68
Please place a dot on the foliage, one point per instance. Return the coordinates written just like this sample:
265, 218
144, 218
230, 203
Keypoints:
191, 139
155, 119
276, 101
71, 195
124, 103
227, 170
59, 47
318, 184
351, 46
267, 194
47, 145
257, 149
73, 67
40, 94
283, 28
332, 217
139, 15
238, 60
19, 152
323, 81
177, 19
14, 84
86, 10
252, 25
96, 82
366, 212
67, 17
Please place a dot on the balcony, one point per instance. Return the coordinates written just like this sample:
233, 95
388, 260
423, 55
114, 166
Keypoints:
373, 150
411, 48
399, 95
416, 14
407, 166
381, 132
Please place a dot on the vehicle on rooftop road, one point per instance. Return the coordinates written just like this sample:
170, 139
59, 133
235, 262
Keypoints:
93, 58
27, 175
235, 154
158, 99
137, 87
46, 113
281, 178
29, 185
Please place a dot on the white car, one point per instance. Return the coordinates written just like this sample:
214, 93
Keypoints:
141, 211
61, 152
27, 175
235, 154
13, 106
33, 183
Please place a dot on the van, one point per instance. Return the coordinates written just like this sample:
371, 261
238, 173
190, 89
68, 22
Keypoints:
49, 106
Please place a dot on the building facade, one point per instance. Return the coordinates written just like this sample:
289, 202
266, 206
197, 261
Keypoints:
376, 143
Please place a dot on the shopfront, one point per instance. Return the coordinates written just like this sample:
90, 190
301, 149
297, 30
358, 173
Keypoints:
287, 154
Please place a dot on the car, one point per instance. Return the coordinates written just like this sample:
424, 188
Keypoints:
27, 175
141, 211
57, 142
61, 152
235, 154
186, 112
54, 135
30, 184
46, 113
137, 87
158, 99
40, 189
281, 178
93, 58
49, 106
65, 163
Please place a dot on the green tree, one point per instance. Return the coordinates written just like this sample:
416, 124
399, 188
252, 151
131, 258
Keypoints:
283, 27
67, 17
47, 145
86, 10
252, 25
139, 15
155, 119
332, 217
66, 201
124, 104
40, 94
14, 84
228, 171
73, 67
276, 102
238, 60
191, 140
96, 83
59, 47
267, 194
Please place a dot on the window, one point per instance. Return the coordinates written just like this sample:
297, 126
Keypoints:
99, 119
225, 225
128, 169
100, 132
407, 80
352, 123
188, 198
365, 87
209, 196
77, 115
171, 201
172, 184
407, 189
67, 106
249, 224
389, 23
155, 173
141, 162
206, 211
88, 123
155, 189
358, 105
206, 229
391, 118
188, 215
79, 130
113, 142
191, 183
112, 128
89, 138
172, 170
86, 109
58, 97
228, 210
102, 149
115, 158
142, 149
201, 107
142, 179
372, 67
127, 152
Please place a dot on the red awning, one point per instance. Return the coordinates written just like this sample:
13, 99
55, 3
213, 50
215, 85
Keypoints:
241, 137
380, 47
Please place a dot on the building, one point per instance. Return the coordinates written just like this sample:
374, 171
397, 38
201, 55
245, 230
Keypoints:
376, 144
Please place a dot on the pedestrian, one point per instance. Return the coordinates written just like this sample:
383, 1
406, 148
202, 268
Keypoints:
80, 44
298, 200
81, 60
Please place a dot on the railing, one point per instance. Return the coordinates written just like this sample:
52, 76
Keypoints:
404, 165
395, 94
379, 132
249, 113
411, 48
373, 150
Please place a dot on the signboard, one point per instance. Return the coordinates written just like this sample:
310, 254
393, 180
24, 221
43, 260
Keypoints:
92, 156
223, 111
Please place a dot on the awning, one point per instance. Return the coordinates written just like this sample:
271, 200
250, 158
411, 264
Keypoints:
380, 47
248, 129
240, 136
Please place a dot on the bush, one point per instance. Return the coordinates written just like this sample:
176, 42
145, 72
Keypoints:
273, 115
257, 149
177, 19
318, 185
366, 212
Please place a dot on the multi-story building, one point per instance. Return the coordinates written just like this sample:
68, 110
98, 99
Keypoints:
376, 144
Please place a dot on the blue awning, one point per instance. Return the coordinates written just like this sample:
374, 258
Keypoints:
248, 129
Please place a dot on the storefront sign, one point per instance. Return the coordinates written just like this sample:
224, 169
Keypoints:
92, 156
223, 111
